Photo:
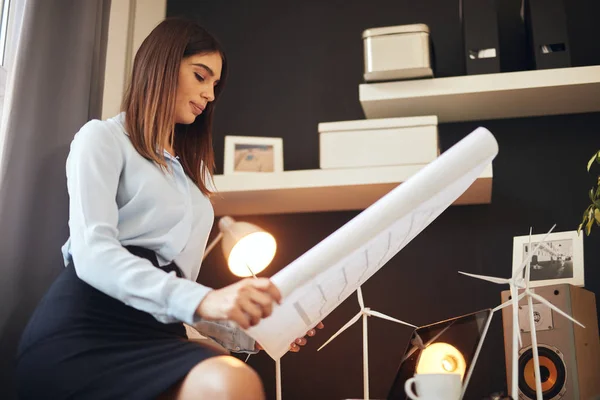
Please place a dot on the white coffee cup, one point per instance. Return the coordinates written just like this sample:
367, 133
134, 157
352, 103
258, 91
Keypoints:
434, 387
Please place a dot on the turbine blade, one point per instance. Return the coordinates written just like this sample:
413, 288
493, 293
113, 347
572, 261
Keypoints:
361, 302
503, 305
519, 271
492, 279
528, 265
515, 295
380, 315
343, 328
508, 303
553, 307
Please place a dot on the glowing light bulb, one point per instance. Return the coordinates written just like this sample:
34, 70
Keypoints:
441, 358
449, 363
253, 252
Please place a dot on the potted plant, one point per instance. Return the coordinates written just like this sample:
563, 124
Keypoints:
592, 212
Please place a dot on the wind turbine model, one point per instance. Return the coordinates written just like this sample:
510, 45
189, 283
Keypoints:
364, 312
516, 282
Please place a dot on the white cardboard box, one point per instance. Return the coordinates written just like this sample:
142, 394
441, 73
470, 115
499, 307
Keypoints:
397, 53
378, 142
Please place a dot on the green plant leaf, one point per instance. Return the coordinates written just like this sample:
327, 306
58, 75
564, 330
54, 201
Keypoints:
586, 212
588, 227
597, 195
591, 195
597, 215
589, 164
584, 220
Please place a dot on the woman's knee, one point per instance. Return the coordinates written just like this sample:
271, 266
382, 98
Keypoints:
222, 377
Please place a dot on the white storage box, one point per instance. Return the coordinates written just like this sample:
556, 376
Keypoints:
378, 142
397, 52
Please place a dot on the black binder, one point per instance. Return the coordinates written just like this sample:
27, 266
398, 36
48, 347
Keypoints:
548, 38
480, 33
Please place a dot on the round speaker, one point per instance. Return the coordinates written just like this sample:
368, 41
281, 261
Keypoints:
553, 372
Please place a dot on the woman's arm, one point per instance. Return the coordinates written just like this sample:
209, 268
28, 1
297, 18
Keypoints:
93, 169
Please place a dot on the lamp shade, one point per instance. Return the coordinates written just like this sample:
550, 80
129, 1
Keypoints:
247, 248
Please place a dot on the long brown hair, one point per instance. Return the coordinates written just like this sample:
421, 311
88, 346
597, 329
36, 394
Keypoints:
149, 102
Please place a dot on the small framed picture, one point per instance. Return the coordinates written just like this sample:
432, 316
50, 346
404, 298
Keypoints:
253, 154
559, 259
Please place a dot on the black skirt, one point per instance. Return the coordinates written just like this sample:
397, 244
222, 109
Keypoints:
83, 344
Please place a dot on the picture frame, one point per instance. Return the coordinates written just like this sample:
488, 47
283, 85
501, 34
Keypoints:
249, 154
558, 260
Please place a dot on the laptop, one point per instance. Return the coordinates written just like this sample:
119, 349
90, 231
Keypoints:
450, 346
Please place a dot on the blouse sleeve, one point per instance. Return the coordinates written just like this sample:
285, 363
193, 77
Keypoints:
93, 169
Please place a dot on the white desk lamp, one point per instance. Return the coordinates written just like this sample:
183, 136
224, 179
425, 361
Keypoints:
247, 248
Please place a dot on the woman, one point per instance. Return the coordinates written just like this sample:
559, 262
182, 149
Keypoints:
110, 327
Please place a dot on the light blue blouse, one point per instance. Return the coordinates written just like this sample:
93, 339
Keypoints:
118, 198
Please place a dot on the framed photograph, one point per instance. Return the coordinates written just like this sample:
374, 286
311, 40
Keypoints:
558, 260
253, 154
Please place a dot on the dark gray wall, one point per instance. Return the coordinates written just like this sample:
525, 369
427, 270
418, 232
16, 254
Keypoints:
295, 64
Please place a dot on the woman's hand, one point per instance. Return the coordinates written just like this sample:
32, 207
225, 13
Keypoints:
245, 302
296, 344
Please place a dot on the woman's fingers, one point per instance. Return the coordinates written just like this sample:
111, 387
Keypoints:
245, 302
255, 302
300, 341
313, 331
252, 309
263, 300
240, 318
266, 286
295, 346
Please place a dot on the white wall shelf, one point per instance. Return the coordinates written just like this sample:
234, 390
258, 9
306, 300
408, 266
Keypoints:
492, 96
322, 190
